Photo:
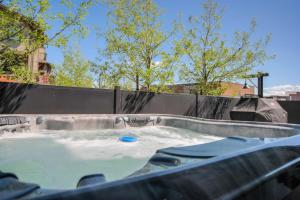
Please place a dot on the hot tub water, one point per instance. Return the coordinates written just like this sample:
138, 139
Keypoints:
57, 159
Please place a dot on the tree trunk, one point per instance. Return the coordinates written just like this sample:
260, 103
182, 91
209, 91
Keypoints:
137, 82
148, 64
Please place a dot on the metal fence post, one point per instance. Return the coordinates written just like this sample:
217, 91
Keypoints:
197, 104
117, 99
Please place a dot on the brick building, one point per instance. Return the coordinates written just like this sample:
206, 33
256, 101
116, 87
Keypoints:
289, 96
294, 96
231, 89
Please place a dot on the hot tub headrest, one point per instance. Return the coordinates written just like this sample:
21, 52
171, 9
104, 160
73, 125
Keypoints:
91, 180
11, 188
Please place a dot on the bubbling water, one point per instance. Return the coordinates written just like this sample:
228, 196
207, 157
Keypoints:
57, 159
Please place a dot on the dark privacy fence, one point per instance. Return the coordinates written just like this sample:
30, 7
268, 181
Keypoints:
41, 99
293, 110
37, 99
179, 104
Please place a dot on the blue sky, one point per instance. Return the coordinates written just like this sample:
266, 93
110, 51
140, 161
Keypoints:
279, 17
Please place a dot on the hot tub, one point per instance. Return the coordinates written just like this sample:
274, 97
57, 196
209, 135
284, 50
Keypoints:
171, 157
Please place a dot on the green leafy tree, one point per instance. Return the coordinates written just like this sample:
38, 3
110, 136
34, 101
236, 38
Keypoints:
105, 75
14, 62
135, 44
22, 74
24, 24
210, 59
108, 77
10, 58
75, 71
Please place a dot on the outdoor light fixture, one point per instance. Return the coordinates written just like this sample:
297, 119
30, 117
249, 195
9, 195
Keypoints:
260, 80
245, 85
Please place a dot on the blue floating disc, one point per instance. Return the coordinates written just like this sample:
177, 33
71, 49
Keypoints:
128, 139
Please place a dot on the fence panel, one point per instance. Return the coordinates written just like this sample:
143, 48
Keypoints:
211, 107
40, 99
143, 102
293, 109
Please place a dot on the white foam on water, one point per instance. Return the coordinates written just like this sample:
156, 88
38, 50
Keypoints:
57, 159
105, 144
